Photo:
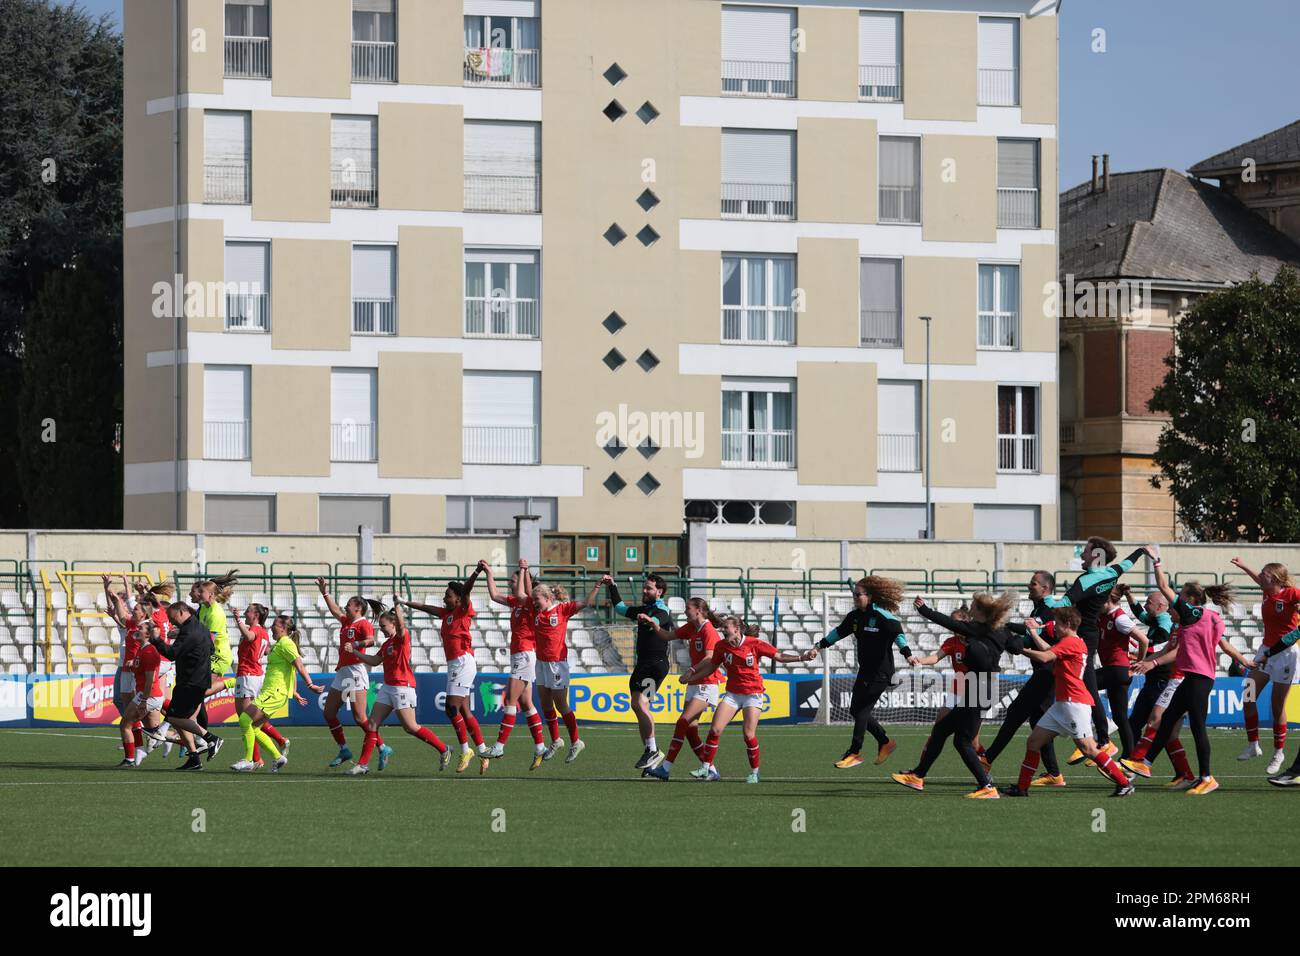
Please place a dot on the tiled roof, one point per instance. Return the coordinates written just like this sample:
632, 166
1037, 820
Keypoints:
1280, 146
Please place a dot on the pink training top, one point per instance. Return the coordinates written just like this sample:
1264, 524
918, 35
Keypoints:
1199, 631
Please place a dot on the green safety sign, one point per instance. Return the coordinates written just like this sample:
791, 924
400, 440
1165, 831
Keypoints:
629, 554
593, 554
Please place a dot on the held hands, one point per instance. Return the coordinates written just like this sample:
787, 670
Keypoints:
523, 564
810, 654
1141, 667
919, 602
483, 566
606, 579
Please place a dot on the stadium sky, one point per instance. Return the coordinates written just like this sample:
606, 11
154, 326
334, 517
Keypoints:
1180, 80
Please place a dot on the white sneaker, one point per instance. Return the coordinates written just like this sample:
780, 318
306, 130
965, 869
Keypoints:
1252, 750
280, 763
578, 747
1273, 767
243, 766
141, 754
552, 749
496, 752
357, 770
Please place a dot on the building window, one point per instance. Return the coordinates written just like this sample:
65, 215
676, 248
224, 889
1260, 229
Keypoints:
502, 297
1008, 523
1018, 184
227, 157
503, 167
758, 51
757, 299
900, 179
353, 399
225, 412
758, 174
479, 515
374, 296
1018, 440
880, 57
374, 41
248, 286
354, 162
247, 514
898, 426
504, 50
999, 61
500, 418
758, 423
880, 295
248, 39
781, 513
999, 307
347, 514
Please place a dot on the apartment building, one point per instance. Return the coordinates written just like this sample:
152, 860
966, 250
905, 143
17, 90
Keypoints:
425, 265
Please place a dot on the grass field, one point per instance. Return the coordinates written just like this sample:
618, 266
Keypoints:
63, 802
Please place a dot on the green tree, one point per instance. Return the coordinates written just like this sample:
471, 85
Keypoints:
1231, 456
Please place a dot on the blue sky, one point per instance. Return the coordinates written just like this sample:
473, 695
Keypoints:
1180, 79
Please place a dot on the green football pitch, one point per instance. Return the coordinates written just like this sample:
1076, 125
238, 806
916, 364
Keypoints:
63, 802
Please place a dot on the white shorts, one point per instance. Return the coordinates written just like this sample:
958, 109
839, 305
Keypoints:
705, 692
153, 705
553, 675
167, 672
350, 677
460, 675
1167, 695
1068, 718
523, 666
1281, 668
741, 701
396, 696
248, 686
123, 683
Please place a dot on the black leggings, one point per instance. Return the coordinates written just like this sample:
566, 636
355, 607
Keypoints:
1192, 700
963, 725
865, 695
1115, 681
1027, 706
1146, 702
1100, 727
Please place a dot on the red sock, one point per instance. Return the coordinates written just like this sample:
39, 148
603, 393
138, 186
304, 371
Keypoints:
1178, 757
137, 735
1251, 712
1279, 736
571, 721
693, 738
535, 726
1143, 745
336, 731
472, 722
1028, 768
458, 722
710, 748
430, 738
751, 747
507, 725
128, 746
273, 734
372, 741
379, 738
552, 724
257, 751
1110, 768
679, 737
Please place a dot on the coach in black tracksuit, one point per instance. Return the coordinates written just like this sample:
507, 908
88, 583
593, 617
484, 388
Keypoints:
191, 649
651, 657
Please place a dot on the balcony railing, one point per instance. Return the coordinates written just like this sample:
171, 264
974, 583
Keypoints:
1070, 432
352, 441
503, 68
248, 58
880, 84
898, 451
247, 312
882, 328
502, 193
225, 441
757, 449
354, 187
1017, 208
999, 87
374, 61
1018, 453
772, 78
497, 317
997, 330
900, 204
763, 324
226, 183
758, 200
500, 445
374, 317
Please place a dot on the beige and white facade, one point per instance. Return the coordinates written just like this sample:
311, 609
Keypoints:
441, 262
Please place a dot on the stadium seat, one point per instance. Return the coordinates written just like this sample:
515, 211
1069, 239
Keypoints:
17, 669
676, 605
501, 657
581, 639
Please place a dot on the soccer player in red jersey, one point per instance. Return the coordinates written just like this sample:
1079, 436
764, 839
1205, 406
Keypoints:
550, 630
145, 705
351, 676
1280, 609
397, 693
739, 652
954, 649
523, 661
701, 635
254, 643
129, 619
1071, 714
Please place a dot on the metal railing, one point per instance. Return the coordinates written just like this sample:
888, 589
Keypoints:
247, 312
1070, 432
502, 67
758, 200
225, 441
1017, 207
248, 58
882, 328
352, 441
501, 318
354, 187
879, 83
773, 325
500, 445
757, 449
999, 87
998, 330
771, 78
502, 193
899, 204
898, 451
374, 317
374, 61
227, 183
1018, 453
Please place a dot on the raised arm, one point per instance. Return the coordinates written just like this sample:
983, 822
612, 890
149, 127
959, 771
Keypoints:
397, 612
943, 620
329, 601
244, 632
426, 608
1241, 566
525, 585
591, 598
469, 581
1162, 582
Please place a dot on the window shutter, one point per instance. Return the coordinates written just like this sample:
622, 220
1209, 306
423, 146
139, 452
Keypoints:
757, 156
502, 8
352, 395
997, 43
878, 35
343, 515
900, 161
225, 393
372, 272
895, 521
500, 398
752, 34
1017, 164
897, 408
1006, 522
246, 266
502, 149
372, 6
226, 138
880, 280
247, 513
